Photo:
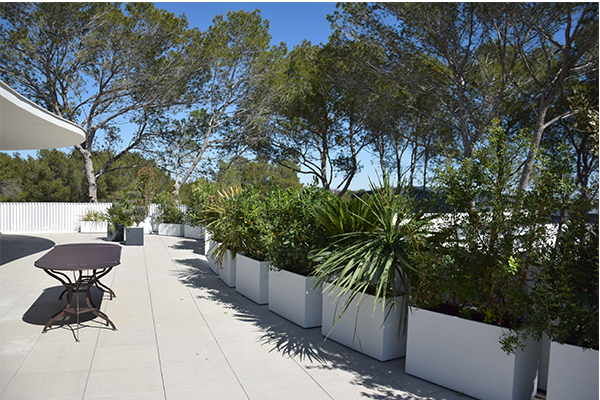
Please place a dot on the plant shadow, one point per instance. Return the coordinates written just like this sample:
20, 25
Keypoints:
378, 380
196, 245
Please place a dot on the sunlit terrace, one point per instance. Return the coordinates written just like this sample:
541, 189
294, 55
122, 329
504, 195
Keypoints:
181, 334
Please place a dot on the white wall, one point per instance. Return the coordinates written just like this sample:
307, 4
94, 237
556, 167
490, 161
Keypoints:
49, 217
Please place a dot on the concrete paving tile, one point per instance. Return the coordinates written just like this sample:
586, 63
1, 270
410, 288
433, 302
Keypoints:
5, 379
243, 349
135, 396
46, 385
130, 356
190, 353
200, 347
203, 375
175, 333
59, 358
341, 387
125, 337
229, 393
300, 389
264, 370
125, 381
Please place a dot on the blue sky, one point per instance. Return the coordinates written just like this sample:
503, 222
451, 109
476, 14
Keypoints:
289, 22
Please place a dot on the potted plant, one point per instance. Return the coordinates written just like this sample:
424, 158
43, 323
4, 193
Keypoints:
248, 218
170, 218
92, 222
293, 291
136, 210
117, 219
475, 271
228, 242
566, 304
202, 195
366, 271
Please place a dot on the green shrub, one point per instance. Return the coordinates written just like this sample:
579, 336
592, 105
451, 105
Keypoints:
169, 210
490, 244
202, 196
296, 230
369, 246
93, 216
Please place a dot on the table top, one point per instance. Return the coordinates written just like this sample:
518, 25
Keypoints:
79, 257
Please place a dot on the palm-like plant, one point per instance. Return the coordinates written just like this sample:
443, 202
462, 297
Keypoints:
221, 226
371, 247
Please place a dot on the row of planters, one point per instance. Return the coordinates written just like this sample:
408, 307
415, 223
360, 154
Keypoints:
470, 286
128, 219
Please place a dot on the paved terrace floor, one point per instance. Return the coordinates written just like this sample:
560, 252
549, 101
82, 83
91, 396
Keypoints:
182, 334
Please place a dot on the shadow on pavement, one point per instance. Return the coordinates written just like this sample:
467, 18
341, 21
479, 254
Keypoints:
13, 247
49, 304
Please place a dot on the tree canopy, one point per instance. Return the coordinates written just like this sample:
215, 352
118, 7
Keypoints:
420, 82
100, 65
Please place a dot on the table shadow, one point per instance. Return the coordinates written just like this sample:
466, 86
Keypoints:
49, 304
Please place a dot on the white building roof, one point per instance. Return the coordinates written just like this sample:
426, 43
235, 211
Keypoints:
26, 126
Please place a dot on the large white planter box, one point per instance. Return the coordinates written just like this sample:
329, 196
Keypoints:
207, 242
170, 229
194, 232
227, 270
213, 264
252, 278
572, 373
93, 227
362, 330
466, 356
294, 297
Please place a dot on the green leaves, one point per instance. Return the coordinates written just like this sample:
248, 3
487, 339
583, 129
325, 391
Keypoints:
372, 245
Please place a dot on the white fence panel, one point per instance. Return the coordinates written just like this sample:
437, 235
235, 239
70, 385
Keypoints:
41, 217
54, 217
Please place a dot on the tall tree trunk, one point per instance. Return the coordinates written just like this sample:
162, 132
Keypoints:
88, 164
533, 149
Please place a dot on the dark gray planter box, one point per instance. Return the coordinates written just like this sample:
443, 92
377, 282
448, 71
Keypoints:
134, 237
115, 233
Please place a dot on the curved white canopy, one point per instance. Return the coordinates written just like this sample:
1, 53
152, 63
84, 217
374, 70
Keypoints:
26, 126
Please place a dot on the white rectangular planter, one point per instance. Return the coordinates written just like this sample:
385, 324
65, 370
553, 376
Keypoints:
294, 297
93, 227
572, 373
252, 278
362, 330
170, 229
212, 263
193, 232
227, 269
466, 356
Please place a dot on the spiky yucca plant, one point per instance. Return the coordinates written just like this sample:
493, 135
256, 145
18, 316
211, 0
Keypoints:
370, 247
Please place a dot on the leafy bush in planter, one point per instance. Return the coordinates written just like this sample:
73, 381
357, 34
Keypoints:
248, 217
115, 215
490, 243
296, 230
169, 210
134, 207
202, 196
93, 216
217, 214
370, 246
566, 292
